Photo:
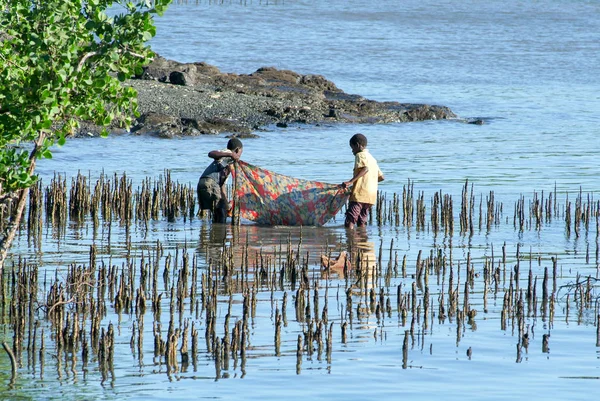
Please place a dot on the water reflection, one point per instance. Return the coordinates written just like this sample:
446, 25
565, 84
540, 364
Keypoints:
356, 256
362, 253
251, 242
252, 296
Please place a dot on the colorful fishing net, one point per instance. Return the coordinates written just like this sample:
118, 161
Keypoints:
268, 198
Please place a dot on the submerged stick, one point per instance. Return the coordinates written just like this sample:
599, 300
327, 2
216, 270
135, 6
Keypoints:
13, 362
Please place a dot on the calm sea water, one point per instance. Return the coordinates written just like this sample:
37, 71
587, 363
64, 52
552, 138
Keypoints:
529, 69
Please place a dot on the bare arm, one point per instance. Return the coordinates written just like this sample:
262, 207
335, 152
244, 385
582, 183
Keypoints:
217, 154
360, 173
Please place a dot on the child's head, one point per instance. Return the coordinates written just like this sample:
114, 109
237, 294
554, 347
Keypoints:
234, 143
358, 142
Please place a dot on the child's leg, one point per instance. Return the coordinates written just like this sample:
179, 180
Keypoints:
219, 215
352, 214
209, 198
220, 211
364, 214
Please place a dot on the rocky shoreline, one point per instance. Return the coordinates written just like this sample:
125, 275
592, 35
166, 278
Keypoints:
177, 99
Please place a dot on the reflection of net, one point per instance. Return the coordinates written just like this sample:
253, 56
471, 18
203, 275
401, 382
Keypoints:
273, 199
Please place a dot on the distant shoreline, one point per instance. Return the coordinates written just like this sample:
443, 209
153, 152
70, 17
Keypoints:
191, 99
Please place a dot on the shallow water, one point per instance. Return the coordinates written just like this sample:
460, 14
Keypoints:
529, 69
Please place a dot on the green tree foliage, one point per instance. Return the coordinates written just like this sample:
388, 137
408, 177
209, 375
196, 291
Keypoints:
62, 62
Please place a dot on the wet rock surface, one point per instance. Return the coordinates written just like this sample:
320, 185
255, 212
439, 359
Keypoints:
178, 99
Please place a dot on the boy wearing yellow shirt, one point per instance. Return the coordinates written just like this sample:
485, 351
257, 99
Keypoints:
364, 183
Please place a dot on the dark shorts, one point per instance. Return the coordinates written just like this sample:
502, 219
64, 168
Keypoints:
211, 198
357, 213
209, 193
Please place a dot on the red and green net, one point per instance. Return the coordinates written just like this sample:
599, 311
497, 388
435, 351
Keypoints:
268, 198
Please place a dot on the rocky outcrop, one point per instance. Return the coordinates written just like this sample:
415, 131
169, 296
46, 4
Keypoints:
197, 98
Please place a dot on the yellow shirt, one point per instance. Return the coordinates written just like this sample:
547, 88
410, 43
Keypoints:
365, 188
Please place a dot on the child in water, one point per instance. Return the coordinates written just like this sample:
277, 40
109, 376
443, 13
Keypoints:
367, 176
212, 193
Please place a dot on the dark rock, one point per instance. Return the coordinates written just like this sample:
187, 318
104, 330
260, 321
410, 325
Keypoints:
206, 69
159, 69
181, 78
245, 135
87, 129
273, 75
198, 99
333, 113
319, 82
156, 124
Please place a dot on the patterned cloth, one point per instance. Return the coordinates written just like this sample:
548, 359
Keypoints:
268, 198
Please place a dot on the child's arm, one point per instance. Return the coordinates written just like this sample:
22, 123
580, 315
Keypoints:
359, 173
217, 154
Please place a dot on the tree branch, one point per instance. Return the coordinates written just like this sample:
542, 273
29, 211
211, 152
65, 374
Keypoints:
91, 54
16, 216
84, 59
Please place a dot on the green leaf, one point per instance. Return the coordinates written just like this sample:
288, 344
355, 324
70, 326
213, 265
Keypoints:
62, 74
147, 36
43, 87
24, 178
46, 124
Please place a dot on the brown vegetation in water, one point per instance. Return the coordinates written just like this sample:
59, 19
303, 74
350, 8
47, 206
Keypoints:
198, 309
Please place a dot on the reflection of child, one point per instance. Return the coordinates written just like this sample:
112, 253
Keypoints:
337, 266
365, 181
212, 194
